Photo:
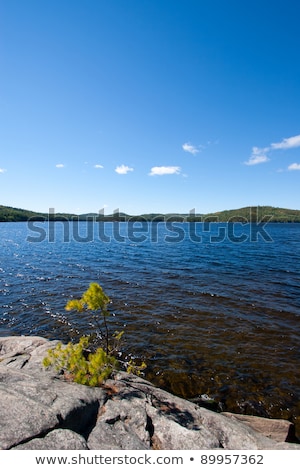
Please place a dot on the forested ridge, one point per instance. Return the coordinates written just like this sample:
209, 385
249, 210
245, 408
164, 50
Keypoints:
243, 215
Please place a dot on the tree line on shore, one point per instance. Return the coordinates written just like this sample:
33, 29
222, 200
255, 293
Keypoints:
242, 215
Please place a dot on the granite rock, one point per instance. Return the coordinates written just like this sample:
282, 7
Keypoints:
39, 409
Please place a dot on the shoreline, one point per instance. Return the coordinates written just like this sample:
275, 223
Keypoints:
126, 413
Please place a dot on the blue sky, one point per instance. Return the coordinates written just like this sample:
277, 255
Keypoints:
149, 105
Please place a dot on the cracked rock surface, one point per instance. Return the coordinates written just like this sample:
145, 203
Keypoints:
40, 410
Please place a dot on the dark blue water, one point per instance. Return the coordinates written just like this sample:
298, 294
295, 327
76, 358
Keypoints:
220, 315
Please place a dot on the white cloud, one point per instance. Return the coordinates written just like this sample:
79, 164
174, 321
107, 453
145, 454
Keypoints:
294, 166
60, 165
187, 147
289, 143
2, 170
98, 166
123, 169
259, 155
165, 170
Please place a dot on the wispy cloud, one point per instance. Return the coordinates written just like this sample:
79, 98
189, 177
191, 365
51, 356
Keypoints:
289, 143
98, 166
259, 155
60, 165
294, 166
123, 169
188, 147
165, 170
2, 170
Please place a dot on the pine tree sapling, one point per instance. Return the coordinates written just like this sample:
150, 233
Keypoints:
76, 361
94, 300
79, 365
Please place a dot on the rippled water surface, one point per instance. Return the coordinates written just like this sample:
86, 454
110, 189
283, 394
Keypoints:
217, 316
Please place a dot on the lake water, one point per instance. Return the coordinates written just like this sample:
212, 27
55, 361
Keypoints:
212, 308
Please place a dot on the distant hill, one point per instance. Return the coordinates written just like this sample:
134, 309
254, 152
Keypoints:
245, 214
252, 214
11, 214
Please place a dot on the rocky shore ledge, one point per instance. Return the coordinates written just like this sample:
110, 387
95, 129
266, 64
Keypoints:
41, 410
